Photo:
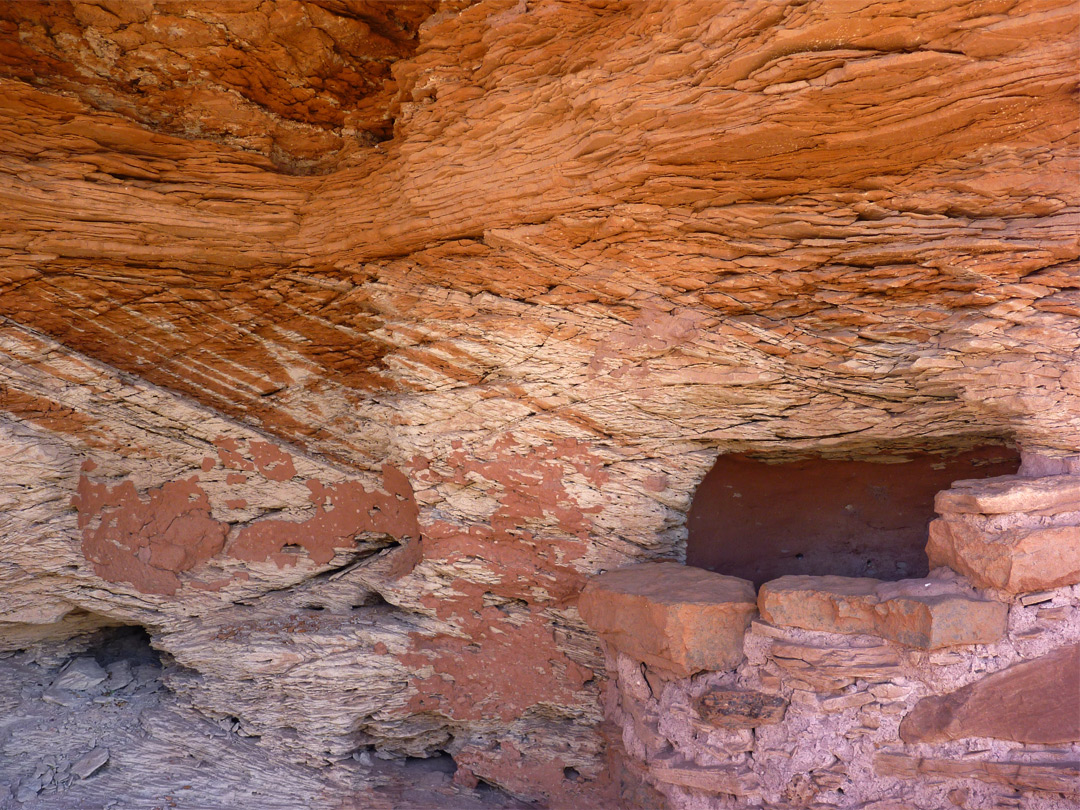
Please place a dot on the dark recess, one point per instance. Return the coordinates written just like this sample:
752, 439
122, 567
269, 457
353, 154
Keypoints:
816, 516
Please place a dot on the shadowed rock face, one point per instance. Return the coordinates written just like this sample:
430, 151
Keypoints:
606, 242
296, 80
850, 518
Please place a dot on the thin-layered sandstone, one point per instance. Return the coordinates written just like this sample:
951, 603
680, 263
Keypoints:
488, 287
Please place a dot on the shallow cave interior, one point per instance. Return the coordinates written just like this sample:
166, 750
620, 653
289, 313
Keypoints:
760, 518
354, 348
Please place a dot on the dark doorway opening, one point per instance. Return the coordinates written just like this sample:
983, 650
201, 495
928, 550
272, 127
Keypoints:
759, 520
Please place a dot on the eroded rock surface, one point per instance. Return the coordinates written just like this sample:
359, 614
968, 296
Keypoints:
469, 366
922, 613
671, 616
297, 81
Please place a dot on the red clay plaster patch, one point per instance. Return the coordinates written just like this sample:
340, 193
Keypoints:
656, 483
237, 503
271, 460
236, 478
230, 455
504, 765
343, 511
89, 465
472, 674
147, 542
208, 464
528, 484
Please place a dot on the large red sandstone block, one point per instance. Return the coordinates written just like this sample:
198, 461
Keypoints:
1035, 701
1012, 532
672, 617
919, 613
1017, 560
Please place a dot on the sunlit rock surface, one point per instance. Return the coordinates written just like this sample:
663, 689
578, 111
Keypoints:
421, 315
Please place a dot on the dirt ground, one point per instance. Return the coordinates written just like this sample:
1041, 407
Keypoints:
88, 725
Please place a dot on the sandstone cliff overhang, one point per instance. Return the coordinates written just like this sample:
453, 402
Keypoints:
341, 342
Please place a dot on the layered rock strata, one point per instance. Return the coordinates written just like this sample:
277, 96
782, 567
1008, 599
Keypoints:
605, 243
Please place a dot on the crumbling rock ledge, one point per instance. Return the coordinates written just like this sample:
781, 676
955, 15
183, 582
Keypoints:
347, 421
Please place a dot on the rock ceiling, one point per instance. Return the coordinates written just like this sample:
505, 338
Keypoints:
299, 82
540, 261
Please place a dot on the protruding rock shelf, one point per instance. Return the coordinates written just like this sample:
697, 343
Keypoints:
922, 613
1036, 701
677, 619
1013, 533
1050, 495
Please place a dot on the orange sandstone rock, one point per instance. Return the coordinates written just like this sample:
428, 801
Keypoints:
1017, 560
1011, 493
1016, 533
1035, 701
672, 617
919, 613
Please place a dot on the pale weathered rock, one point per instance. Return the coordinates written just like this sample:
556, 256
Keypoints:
671, 616
81, 674
1035, 701
87, 765
1016, 560
842, 703
1036, 464
732, 781
991, 496
1049, 776
830, 669
927, 614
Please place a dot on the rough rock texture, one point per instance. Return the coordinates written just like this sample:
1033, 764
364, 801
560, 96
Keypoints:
1032, 776
1050, 495
848, 701
303, 82
1016, 533
672, 617
606, 242
923, 613
1036, 701
297, 623
129, 743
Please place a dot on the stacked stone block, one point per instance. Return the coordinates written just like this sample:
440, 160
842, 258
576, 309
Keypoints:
958, 690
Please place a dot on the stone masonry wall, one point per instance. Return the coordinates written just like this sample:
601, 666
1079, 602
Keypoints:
854, 693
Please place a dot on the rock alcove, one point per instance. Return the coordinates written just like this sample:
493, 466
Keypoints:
343, 343
868, 516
